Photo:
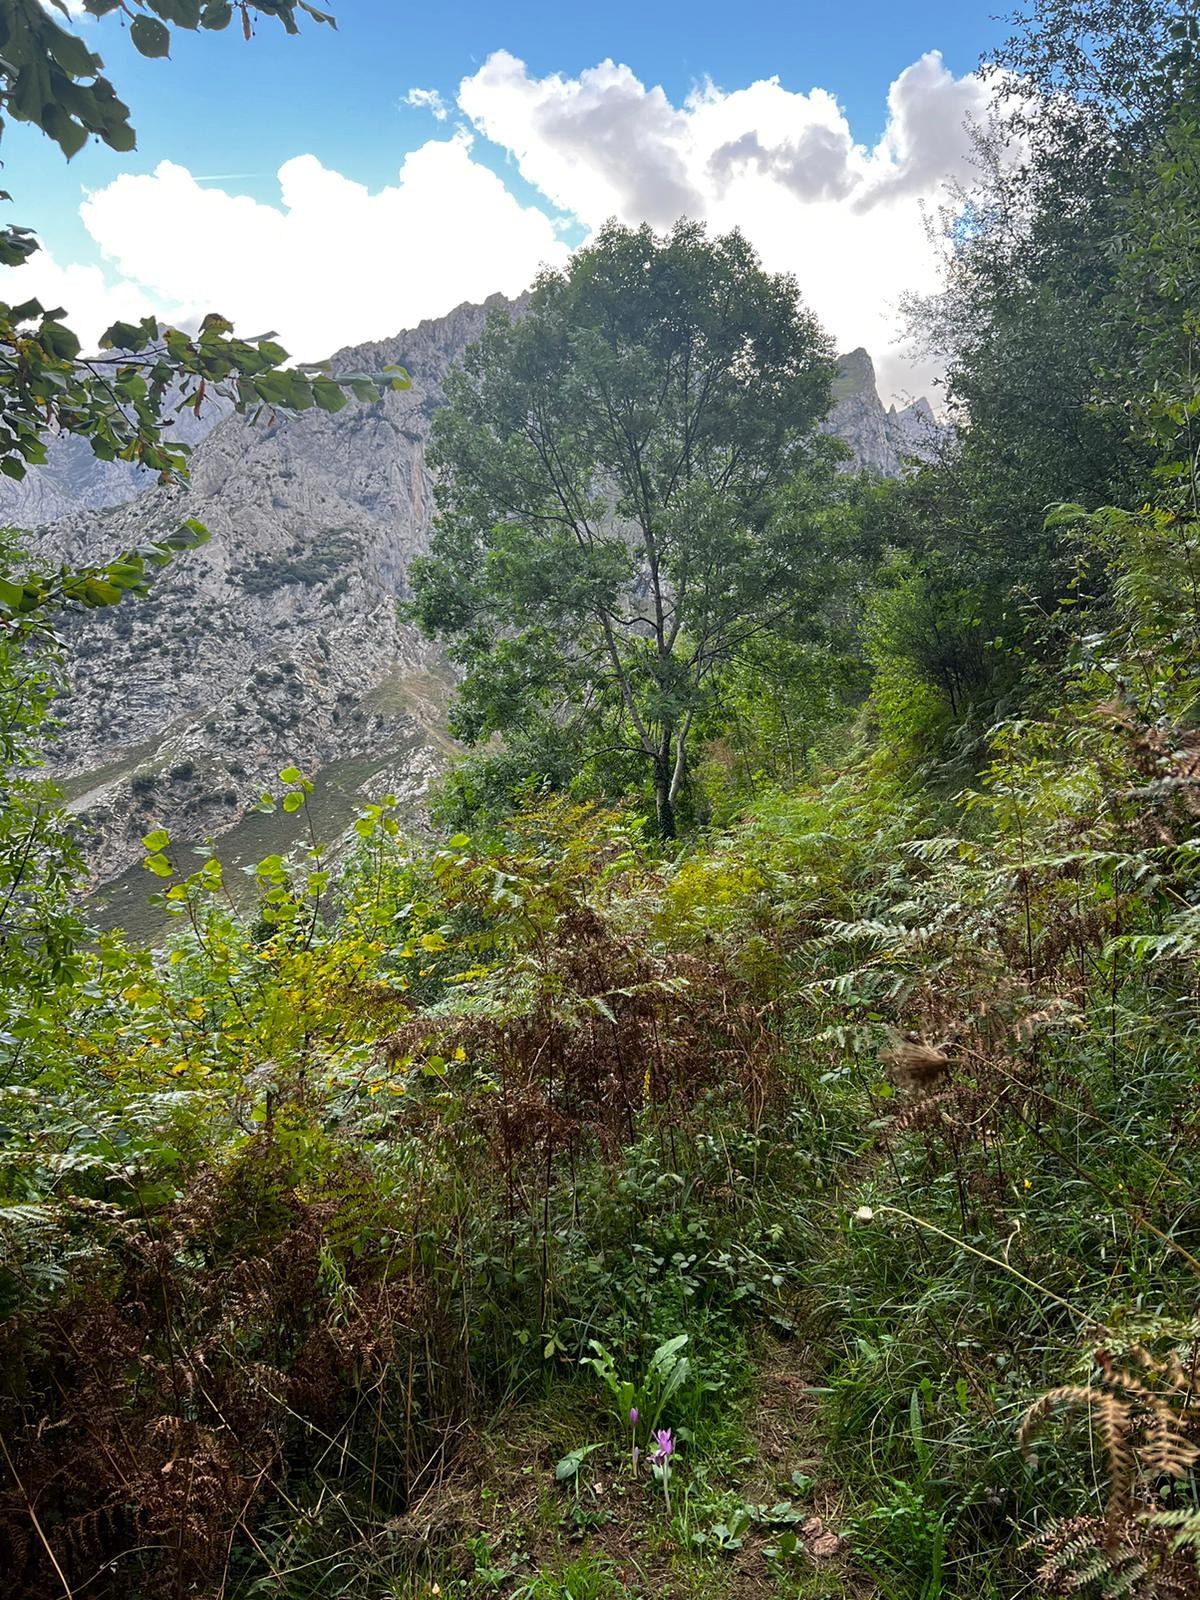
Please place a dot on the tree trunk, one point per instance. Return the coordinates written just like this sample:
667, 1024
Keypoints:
663, 806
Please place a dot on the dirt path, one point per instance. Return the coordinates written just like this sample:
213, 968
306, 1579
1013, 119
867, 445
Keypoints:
499, 1517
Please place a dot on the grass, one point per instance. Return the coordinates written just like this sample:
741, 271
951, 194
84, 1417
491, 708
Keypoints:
495, 1519
498, 1521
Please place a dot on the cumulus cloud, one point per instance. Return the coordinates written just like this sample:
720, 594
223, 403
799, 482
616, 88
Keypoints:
598, 145
89, 296
816, 165
782, 165
331, 263
927, 141
428, 100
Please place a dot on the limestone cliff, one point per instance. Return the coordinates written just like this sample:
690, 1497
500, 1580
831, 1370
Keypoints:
881, 440
278, 642
73, 479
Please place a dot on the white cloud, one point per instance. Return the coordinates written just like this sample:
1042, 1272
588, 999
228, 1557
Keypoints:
781, 165
428, 100
90, 298
927, 141
332, 263
597, 145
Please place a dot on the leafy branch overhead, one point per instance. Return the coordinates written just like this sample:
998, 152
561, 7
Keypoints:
23, 603
117, 399
52, 79
120, 399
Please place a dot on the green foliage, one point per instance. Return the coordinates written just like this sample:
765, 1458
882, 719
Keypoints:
309, 565
667, 1371
39, 862
120, 402
28, 603
1065, 319
52, 80
218, 1093
616, 522
513, 1105
483, 789
121, 399
1155, 299
306, 1214
587, 1577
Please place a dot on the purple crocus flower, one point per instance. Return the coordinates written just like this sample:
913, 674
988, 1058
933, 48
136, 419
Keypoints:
664, 1449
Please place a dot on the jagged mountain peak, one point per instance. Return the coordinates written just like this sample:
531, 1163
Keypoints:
882, 440
855, 375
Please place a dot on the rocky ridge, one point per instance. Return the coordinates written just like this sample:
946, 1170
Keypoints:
881, 441
279, 641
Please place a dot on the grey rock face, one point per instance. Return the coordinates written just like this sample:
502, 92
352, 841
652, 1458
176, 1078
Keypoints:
881, 440
278, 643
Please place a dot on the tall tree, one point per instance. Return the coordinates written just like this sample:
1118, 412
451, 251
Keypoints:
612, 526
1065, 327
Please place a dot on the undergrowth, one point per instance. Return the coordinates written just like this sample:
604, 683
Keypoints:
341, 1239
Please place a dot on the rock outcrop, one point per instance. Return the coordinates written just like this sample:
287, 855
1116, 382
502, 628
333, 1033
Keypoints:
881, 440
278, 642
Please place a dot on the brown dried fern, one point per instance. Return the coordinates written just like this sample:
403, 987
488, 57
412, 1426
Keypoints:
1145, 1421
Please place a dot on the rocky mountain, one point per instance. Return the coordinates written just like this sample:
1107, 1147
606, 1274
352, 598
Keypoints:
881, 440
278, 642
73, 479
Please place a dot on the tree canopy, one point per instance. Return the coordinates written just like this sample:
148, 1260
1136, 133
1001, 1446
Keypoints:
618, 514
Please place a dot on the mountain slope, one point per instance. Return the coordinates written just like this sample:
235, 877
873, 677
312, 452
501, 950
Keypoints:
278, 642
74, 479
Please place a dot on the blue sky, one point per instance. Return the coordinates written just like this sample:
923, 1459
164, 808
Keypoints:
229, 115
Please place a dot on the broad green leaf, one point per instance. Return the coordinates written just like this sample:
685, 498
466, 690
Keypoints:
570, 1464
148, 36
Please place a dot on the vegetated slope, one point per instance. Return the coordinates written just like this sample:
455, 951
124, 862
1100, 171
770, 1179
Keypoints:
279, 642
387, 1206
